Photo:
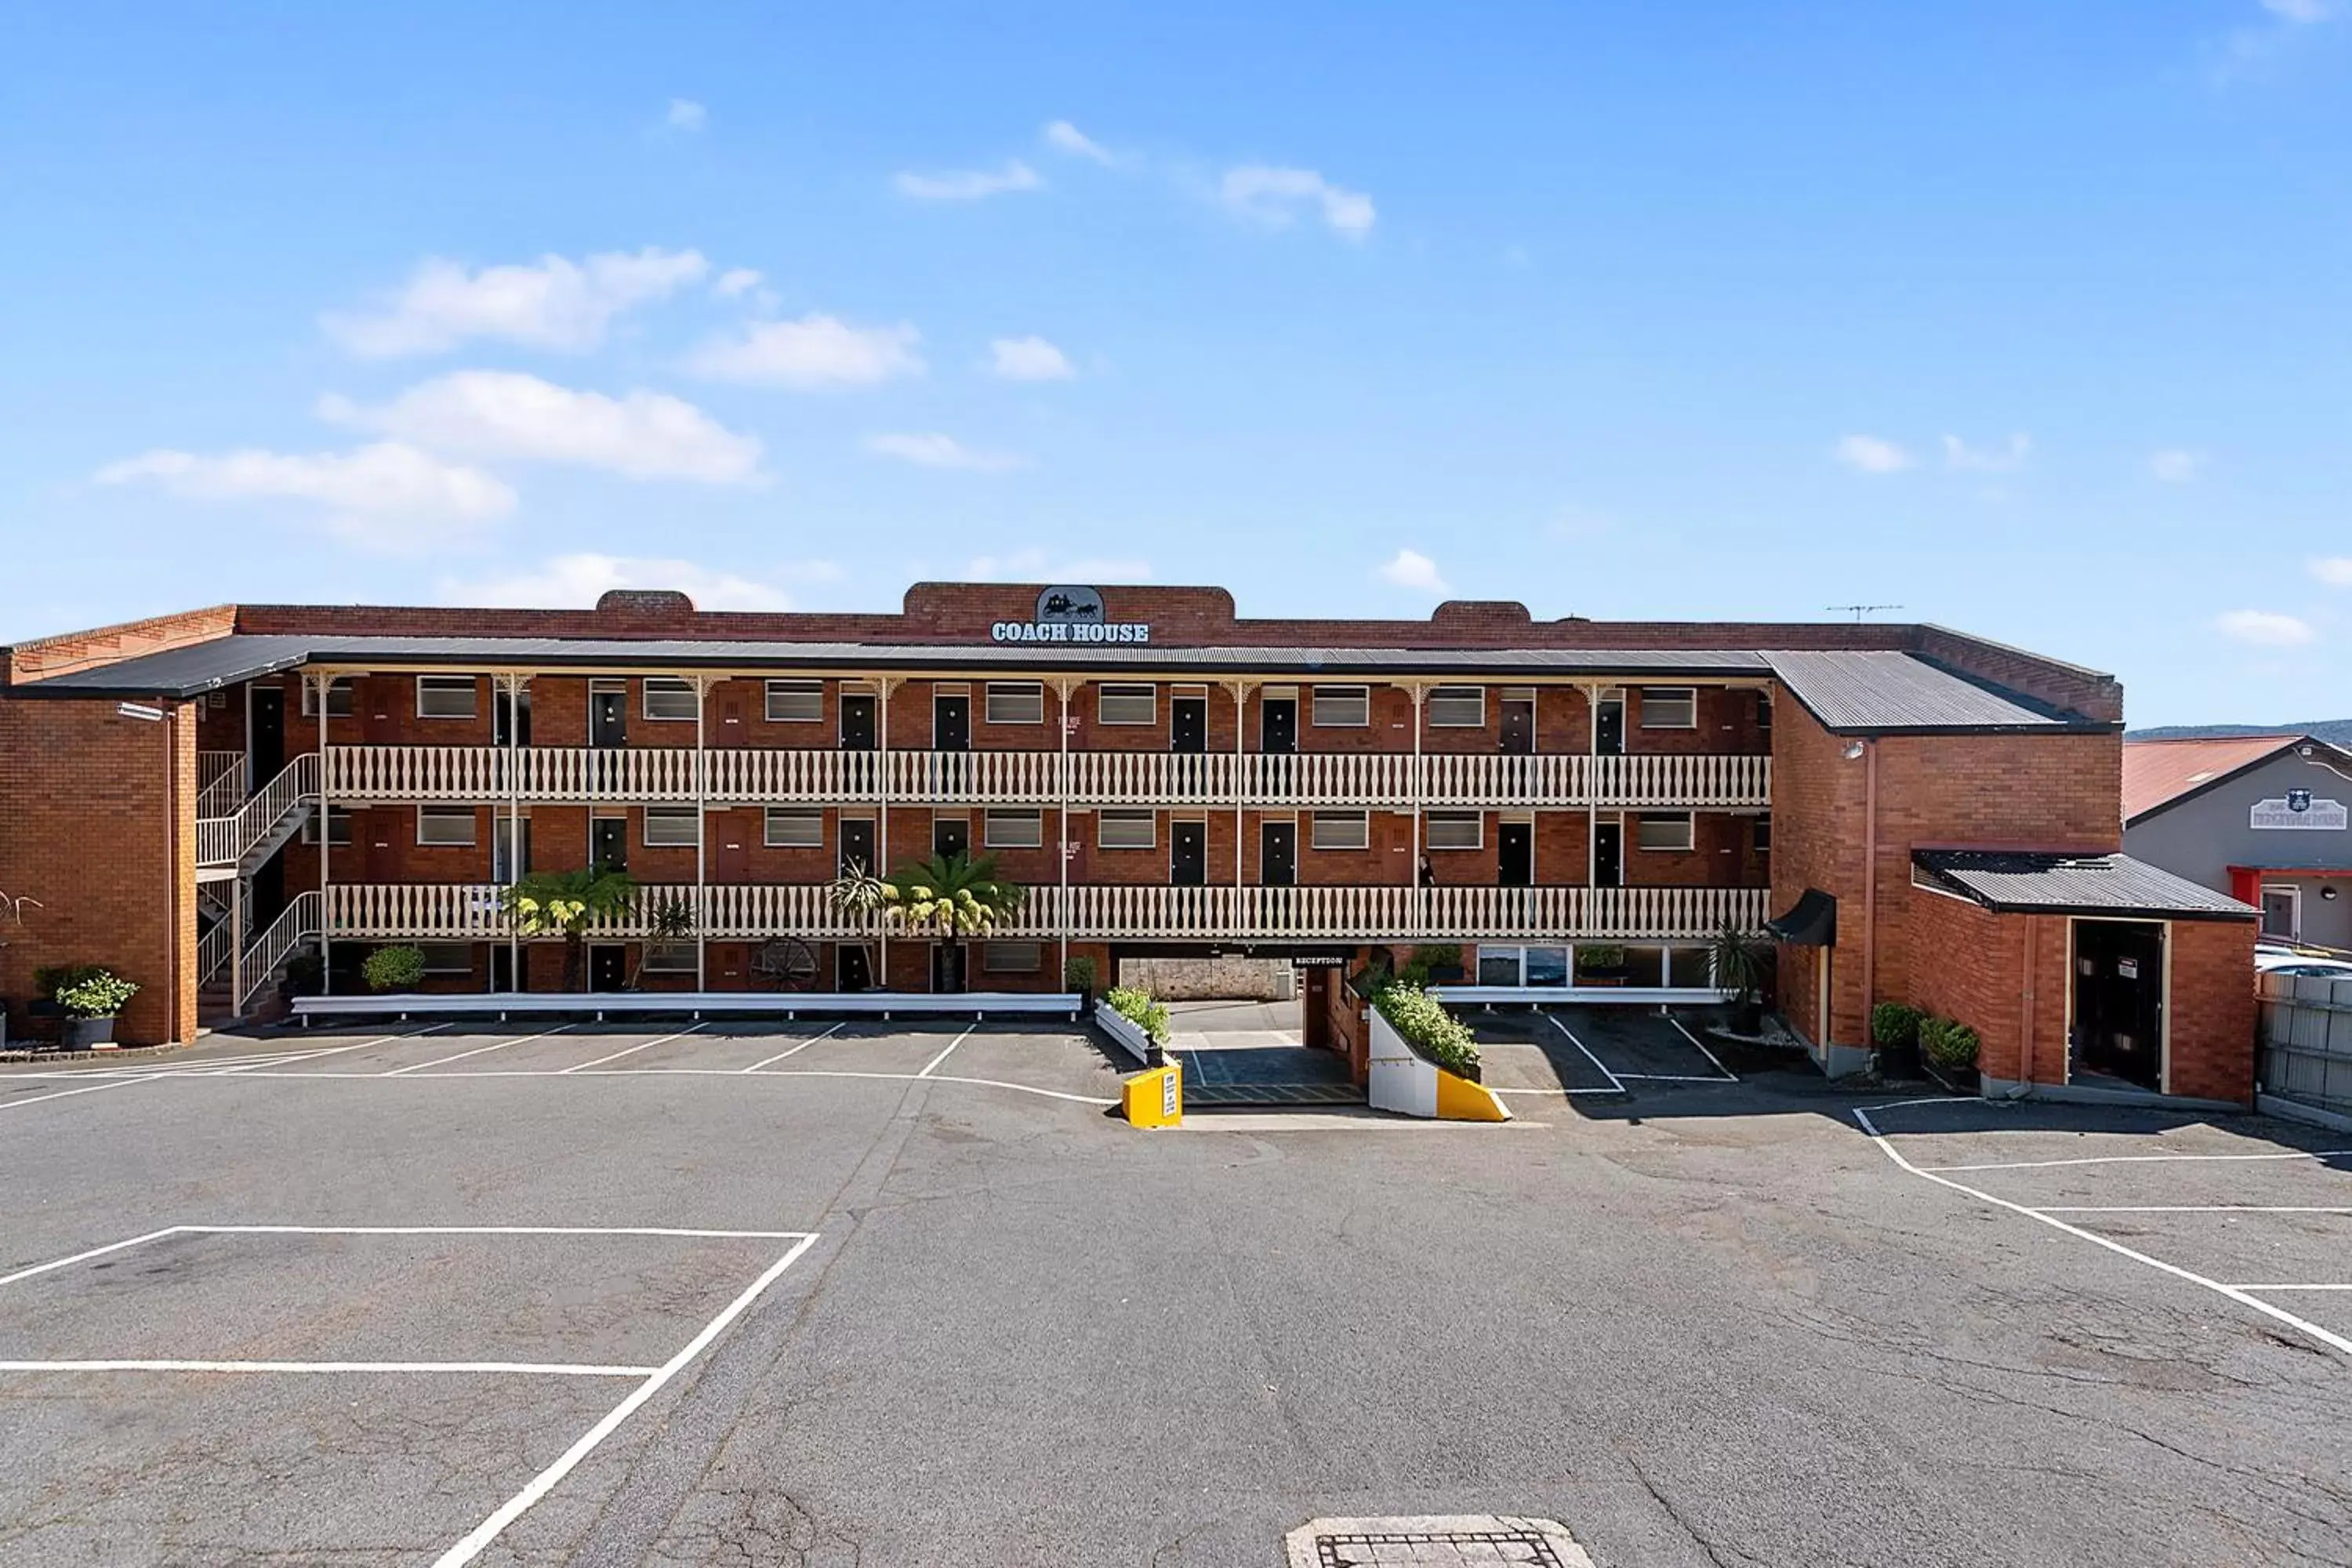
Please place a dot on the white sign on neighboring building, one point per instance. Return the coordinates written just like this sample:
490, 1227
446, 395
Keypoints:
2296, 809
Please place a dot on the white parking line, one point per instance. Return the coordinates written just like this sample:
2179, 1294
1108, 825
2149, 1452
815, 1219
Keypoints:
477, 1051
93, 1252
804, 1045
2291, 1287
1712, 1058
281, 1058
2181, 1209
477, 1368
943, 1054
471, 1547
1616, 1084
1562, 1089
482, 1230
86, 1089
2235, 1293
632, 1050
2112, 1159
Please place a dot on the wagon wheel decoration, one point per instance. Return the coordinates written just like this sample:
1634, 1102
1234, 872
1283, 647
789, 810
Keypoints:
785, 963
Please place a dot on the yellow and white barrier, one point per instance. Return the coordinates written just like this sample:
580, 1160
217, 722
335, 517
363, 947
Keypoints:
1154, 1098
1412, 1085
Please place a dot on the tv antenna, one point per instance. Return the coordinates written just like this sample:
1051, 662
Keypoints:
1862, 610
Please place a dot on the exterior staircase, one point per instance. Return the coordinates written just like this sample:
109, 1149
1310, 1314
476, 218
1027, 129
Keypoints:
235, 845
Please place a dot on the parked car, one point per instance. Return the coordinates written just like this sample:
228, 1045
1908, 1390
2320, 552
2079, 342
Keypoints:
2285, 961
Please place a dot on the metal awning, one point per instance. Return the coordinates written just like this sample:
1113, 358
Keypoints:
1813, 923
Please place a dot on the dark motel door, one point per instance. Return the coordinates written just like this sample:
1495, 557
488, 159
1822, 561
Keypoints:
951, 723
1188, 854
608, 843
268, 745
1514, 854
950, 835
1188, 724
1609, 738
1609, 855
1277, 725
1277, 853
1518, 735
859, 729
608, 966
608, 715
857, 844
2119, 999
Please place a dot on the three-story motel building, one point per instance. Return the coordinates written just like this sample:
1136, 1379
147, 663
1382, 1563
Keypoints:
199, 800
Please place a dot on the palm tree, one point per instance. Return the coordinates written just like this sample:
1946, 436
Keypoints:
951, 896
565, 904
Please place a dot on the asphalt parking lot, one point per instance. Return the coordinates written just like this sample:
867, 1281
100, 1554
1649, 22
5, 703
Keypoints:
909, 1294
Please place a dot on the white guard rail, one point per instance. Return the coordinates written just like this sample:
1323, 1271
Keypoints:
698, 1003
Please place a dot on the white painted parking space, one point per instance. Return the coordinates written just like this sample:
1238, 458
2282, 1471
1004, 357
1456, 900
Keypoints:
2246, 1251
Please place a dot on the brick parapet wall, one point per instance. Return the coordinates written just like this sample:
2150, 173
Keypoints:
63, 654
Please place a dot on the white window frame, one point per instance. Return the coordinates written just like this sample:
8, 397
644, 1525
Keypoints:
1127, 691
450, 813
1457, 694
1651, 692
1009, 690
1315, 705
444, 950
770, 839
1127, 815
2294, 904
1476, 819
669, 957
671, 686
653, 813
989, 838
1362, 820
1643, 821
451, 684
791, 689
340, 688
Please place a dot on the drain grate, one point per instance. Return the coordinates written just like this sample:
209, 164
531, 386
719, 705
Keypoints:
1434, 1542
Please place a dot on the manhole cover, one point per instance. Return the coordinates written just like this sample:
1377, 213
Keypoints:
1433, 1541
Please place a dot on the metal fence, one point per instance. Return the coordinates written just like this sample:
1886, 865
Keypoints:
2306, 1050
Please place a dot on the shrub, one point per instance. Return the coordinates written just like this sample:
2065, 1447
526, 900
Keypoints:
1078, 974
1600, 955
394, 969
1442, 956
101, 994
1423, 1022
1948, 1044
1896, 1022
52, 979
1136, 1006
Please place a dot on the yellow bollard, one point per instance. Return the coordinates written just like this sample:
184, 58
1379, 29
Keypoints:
1154, 1098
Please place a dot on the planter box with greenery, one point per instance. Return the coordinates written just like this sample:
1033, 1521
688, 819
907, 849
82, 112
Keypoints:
1895, 1027
1950, 1047
91, 998
1439, 963
1603, 963
1424, 1061
1139, 1024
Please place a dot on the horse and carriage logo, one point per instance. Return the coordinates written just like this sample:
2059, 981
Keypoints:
1069, 606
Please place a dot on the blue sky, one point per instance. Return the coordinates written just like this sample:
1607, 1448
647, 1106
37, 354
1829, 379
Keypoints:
2031, 319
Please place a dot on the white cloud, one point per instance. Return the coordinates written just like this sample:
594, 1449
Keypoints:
684, 114
932, 450
1870, 455
2176, 465
814, 352
505, 414
1411, 569
2299, 11
1029, 359
555, 303
968, 184
736, 280
2266, 628
1959, 454
1065, 137
575, 582
1273, 196
1036, 565
388, 496
2336, 571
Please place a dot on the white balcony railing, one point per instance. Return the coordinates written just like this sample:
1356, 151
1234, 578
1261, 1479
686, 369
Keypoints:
225, 840
741, 775
473, 912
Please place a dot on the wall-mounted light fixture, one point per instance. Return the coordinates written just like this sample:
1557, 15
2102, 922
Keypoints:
140, 711
2327, 895
1854, 750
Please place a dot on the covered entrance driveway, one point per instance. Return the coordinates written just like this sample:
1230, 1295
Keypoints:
1255, 1053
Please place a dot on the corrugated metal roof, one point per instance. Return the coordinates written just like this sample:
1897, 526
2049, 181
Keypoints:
2041, 883
1879, 692
223, 661
2157, 772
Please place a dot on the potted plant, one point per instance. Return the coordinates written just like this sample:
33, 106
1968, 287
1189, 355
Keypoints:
1078, 975
400, 968
1438, 963
1894, 1028
1602, 963
91, 1005
1742, 965
1950, 1047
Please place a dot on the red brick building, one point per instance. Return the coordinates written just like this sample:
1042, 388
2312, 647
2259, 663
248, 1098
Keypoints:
196, 800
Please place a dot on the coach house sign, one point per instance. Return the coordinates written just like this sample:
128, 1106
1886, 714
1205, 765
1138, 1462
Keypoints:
1070, 614
2296, 809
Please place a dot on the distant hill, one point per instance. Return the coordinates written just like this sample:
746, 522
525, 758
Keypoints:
2334, 732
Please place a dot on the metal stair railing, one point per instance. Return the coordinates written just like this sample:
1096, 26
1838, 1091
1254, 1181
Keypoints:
296, 925
226, 840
